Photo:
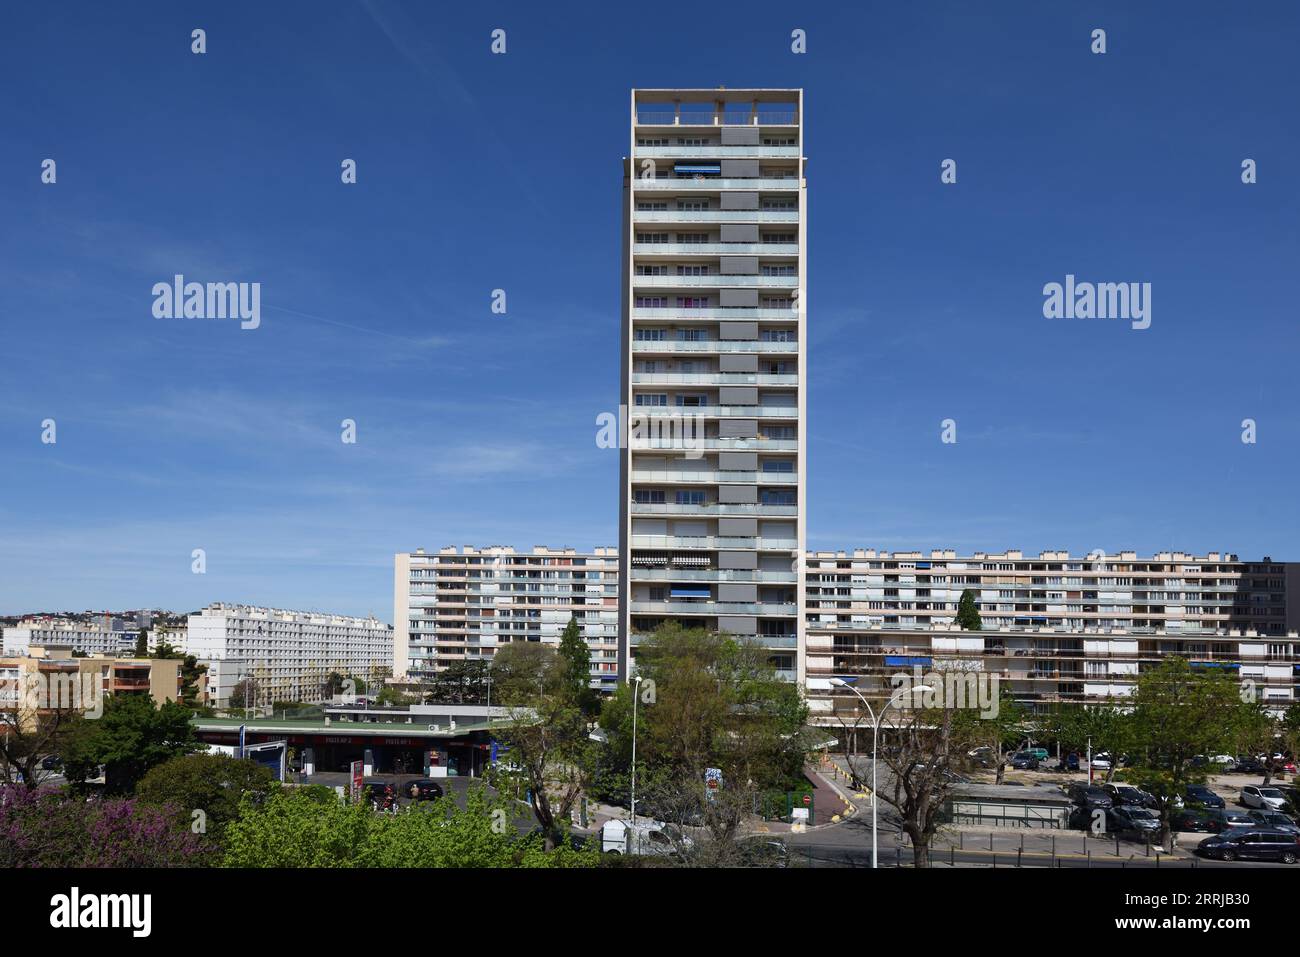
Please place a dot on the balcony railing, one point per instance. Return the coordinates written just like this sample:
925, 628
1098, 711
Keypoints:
683, 314
716, 249
721, 411
712, 345
706, 184
715, 280
672, 508
710, 541
715, 151
786, 117
712, 378
694, 477
734, 445
710, 607
711, 574
715, 216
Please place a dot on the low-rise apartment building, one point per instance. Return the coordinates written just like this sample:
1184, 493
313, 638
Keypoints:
461, 605
290, 654
48, 679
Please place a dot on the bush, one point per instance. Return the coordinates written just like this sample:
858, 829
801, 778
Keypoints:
44, 828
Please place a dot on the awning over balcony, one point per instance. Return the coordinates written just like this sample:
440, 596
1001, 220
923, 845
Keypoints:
698, 169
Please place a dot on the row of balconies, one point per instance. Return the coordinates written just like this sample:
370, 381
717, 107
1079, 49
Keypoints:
759, 216
714, 542
712, 508
675, 184
708, 477
782, 250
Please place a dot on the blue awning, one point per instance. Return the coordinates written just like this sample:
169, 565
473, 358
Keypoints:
698, 168
902, 661
690, 591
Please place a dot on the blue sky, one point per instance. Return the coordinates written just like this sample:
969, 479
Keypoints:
478, 172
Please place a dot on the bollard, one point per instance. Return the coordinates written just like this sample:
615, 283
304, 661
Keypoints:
1148, 837
1022, 841
1090, 860
899, 858
1019, 855
1117, 845
952, 855
990, 840
1053, 845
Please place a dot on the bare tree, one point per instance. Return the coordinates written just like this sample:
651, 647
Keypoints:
920, 748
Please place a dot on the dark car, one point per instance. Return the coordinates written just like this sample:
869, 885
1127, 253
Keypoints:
1090, 796
423, 789
1024, 761
1276, 820
1248, 766
1200, 794
1129, 821
381, 795
1252, 844
51, 762
1196, 819
1129, 795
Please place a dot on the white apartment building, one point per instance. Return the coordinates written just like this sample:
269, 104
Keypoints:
290, 654
462, 605
108, 638
712, 473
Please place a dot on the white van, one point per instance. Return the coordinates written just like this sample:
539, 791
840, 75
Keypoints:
650, 837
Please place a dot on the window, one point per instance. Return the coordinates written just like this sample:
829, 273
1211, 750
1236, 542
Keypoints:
692, 204
652, 206
690, 498
692, 401
652, 237
783, 270
778, 238
693, 302
652, 270
692, 237
652, 302
648, 496
651, 399
692, 270
651, 335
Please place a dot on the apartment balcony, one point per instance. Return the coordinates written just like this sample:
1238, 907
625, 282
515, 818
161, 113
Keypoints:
714, 347
749, 216
667, 184
719, 411
715, 249
784, 115
758, 510
715, 151
686, 314
713, 378
713, 542
706, 477
711, 574
781, 642
715, 280
708, 607
726, 445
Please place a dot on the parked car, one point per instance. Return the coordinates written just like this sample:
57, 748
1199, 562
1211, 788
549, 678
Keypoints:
423, 789
1024, 761
1069, 763
1040, 753
380, 795
1269, 799
1252, 844
650, 837
1231, 818
1101, 761
1277, 820
51, 762
1200, 794
1196, 819
1128, 821
1248, 766
1128, 794
1090, 796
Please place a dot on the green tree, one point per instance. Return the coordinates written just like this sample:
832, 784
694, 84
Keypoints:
1004, 729
968, 613
132, 736
191, 671
142, 644
575, 669
1178, 712
211, 783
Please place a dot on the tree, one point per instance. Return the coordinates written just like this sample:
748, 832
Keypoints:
142, 644
132, 736
1099, 727
575, 669
921, 745
191, 671
711, 708
1002, 731
968, 613
210, 783
244, 694
547, 734
461, 682
298, 828
1178, 712
29, 733
1255, 731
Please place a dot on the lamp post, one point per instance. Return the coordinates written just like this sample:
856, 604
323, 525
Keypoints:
875, 740
636, 694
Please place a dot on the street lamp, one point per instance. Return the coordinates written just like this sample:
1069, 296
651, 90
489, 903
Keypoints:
875, 740
636, 694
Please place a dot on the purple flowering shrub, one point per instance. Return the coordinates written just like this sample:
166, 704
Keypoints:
45, 828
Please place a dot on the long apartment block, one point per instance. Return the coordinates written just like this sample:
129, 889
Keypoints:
1056, 628
459, 605
712, 474
290, 654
